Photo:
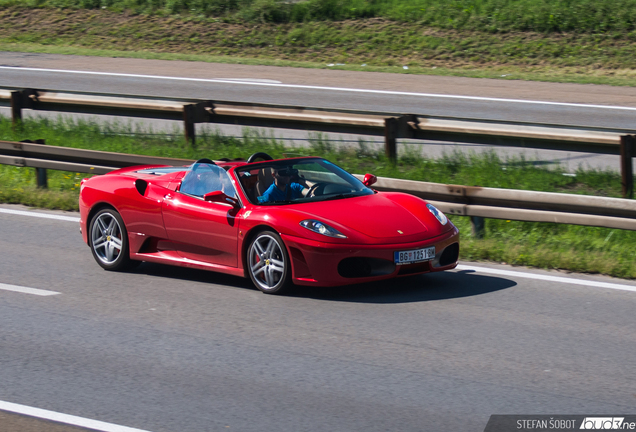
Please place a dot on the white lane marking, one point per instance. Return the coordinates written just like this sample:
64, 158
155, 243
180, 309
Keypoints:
254, 80
40, 215
25, 290
557, 279
338, 89
65, 418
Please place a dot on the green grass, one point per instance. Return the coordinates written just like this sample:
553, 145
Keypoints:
552, 246
380, 44
543, 245
19, 187
483, 15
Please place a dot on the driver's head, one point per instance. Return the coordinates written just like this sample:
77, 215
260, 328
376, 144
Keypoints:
283, 175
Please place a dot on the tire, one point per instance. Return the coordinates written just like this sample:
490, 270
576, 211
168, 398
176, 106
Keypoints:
268, 263
108, 240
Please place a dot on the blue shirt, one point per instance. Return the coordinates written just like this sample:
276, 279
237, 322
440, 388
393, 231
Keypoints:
274, 194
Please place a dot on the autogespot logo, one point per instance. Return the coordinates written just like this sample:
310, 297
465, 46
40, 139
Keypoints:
606, 423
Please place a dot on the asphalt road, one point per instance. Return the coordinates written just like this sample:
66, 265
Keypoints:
324, 88
574, 104
169, 349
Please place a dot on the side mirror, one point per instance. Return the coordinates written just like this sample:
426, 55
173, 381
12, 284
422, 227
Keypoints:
369, 179
220, 197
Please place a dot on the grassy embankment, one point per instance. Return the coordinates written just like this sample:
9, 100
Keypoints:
588, 41
581, 249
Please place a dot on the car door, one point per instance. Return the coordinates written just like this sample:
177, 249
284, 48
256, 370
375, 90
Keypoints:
201, 230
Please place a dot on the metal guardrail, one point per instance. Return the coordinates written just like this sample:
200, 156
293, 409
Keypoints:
520, 205
475, 202
390, 125
38, 155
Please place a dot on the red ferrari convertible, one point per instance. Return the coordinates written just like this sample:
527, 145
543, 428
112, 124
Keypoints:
302, 221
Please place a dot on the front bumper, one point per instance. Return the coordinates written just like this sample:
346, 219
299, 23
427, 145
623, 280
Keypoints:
84, 210
329, 264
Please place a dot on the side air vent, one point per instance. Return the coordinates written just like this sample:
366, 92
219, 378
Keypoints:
141, 186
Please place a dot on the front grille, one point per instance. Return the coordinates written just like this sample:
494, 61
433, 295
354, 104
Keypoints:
359, 267
408, 269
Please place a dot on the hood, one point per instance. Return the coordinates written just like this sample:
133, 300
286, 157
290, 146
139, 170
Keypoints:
380, 216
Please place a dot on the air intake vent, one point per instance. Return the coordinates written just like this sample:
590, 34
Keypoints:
364, 267
450, 255
141, 186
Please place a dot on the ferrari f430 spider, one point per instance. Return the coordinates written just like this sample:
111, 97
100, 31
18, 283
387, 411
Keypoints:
301, 221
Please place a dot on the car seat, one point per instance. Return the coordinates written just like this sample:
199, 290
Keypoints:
265, 180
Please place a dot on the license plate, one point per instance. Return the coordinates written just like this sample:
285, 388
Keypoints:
414, 256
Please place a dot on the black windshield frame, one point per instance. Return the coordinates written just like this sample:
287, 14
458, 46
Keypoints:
336, 182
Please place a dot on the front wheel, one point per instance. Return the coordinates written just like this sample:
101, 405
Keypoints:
109, 241
268, 263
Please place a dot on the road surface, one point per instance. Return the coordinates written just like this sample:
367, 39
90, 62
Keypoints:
170, 349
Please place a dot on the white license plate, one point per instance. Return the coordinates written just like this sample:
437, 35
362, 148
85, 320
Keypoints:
414, 256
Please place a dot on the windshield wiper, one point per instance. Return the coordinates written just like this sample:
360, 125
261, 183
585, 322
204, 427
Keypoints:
340, 196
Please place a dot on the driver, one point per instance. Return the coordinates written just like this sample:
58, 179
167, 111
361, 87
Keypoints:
283, 188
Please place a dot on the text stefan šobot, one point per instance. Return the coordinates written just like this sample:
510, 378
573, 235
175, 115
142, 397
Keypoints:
546, 424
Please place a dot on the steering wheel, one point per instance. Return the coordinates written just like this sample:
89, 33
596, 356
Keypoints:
259, 155
314, 189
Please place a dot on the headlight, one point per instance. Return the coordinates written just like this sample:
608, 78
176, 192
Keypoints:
321, 228
441, 217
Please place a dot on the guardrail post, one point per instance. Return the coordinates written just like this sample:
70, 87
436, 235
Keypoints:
40, 173
628, 147
21, 99
193, 114
16, 108
189, 122
397, 127
409, 124
477, 226
391, 125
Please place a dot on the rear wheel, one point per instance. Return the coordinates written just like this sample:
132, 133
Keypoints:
109, 241
268, 263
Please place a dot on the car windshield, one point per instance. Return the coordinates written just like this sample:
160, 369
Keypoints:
298, 181
204, 178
